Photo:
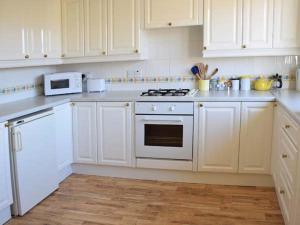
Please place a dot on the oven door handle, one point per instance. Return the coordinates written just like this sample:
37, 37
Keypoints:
163, 120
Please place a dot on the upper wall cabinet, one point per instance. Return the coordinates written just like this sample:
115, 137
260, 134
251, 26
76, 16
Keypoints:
123, 26
30, 29
287, 24
95, 29
257, 24
222, 24
251, 28
175, 13
73, 28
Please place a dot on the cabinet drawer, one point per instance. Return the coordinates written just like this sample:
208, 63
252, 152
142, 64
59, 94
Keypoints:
285, 198
288, 155
291, 128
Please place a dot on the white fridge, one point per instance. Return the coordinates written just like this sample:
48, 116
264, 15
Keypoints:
33, 156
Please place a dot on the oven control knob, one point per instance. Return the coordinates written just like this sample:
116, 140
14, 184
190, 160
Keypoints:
172, 108
154, 108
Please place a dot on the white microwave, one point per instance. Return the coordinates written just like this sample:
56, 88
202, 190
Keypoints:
62, 83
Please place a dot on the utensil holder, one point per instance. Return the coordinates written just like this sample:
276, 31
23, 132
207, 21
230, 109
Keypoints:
203, 85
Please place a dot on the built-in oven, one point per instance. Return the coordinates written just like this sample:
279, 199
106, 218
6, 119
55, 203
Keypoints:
164, 130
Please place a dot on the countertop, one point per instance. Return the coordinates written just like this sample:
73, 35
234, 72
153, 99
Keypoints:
290, 100
20, 108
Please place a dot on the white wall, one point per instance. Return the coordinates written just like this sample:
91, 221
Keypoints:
19, 83
174, 51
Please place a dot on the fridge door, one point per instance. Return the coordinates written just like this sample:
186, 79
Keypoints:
34, 158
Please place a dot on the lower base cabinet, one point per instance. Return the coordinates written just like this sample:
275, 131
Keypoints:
256, 137
218, 136
115, 133
102, 133
5, 173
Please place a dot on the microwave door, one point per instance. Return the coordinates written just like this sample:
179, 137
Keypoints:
60, 84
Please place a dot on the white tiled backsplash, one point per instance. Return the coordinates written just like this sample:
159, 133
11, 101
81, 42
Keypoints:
172, 52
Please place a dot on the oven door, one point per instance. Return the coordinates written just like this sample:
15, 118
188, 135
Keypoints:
164, 137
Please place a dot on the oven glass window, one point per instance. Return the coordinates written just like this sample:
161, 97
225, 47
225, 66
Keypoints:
59, 84
163, 135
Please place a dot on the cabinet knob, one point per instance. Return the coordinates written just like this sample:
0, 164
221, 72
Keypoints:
282, 191
200, 105
26, 56
284, 156
6, 125
63, 55
136, 51
104, 53
127, 104
204, 48
244, 46
45, 56
287, 126
170, 24
275, 105
72, 104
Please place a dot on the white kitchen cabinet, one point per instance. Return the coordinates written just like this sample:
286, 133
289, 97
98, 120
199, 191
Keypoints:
258, 24
85, 132
95, 28
64, 136
223, 24
173, 13
5, 173
218, 136
123, 27
256, 137
115, 133
73, 28
30, 30
287, 24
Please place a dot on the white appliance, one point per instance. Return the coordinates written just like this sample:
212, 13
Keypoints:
298, 79
62, 83
33, 159
164, 130
95, 85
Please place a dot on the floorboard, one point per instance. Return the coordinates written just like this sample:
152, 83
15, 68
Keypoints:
92, 200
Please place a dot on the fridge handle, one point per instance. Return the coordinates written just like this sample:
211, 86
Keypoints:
17, 141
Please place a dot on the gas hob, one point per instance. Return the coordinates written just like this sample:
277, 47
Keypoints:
166, 92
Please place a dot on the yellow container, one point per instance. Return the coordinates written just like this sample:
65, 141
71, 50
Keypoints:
203, 85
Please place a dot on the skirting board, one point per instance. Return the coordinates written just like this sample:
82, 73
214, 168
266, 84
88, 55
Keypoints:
5, 215
175, 176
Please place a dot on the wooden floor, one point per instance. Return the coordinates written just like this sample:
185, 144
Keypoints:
91, 200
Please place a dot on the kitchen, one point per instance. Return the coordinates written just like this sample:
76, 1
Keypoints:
149, 112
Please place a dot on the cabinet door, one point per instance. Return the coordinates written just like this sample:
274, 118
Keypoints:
258, 23
12, 30
171, 13
115, 133
222, 24
287, 24
52, 29
64, 138
5, 174
95, 27
256, 137
73, 28
85, 132
218, 137
123, 27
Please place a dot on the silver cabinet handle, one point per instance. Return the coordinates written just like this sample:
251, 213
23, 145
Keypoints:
163, 120
17, 144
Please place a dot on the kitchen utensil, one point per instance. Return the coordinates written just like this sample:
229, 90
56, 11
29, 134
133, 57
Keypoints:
205, 71
213, 73
201, 67
263, 84
196, 72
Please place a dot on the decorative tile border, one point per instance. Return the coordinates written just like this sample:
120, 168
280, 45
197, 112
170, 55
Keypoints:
150, 79
20, 88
